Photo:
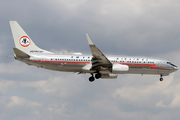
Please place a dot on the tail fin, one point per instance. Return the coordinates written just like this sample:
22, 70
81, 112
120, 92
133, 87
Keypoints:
23, 42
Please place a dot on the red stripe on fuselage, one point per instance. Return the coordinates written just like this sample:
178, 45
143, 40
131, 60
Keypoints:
151, 66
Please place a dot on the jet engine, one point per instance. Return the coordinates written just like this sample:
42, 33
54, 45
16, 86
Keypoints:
118, 68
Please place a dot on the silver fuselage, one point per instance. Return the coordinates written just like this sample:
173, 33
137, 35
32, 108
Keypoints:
74, 63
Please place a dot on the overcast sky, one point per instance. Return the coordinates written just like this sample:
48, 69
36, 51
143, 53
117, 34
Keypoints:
121, 27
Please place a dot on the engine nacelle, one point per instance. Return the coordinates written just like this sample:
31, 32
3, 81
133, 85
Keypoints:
118, 68
108, 76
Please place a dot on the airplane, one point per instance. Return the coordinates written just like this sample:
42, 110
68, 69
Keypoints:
98, 65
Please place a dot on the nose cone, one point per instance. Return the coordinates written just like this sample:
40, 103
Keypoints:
176, 68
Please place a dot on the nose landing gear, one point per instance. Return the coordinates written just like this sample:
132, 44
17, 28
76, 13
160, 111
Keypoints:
161, 78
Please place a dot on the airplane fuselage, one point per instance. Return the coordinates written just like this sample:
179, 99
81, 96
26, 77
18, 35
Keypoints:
74, 63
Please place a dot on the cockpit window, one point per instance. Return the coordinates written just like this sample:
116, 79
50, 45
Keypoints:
171, 64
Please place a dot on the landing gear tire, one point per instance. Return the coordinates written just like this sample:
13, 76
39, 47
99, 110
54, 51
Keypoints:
161, 79
97, 76
91, 79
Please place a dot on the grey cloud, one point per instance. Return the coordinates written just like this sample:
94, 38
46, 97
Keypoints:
140, 26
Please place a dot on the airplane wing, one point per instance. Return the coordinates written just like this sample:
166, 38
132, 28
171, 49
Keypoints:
99, 60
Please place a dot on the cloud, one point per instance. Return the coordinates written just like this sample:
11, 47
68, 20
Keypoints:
63, 51
129, 27
13, 67
18, 101
36, 84
72, 4
161, 94
6, 86
1, 50
57, 86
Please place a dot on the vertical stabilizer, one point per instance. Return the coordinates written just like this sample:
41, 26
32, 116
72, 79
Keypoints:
23, 42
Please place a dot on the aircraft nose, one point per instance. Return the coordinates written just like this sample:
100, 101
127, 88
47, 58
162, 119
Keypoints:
175, 68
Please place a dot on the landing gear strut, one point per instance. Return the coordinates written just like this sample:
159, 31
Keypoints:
161, 79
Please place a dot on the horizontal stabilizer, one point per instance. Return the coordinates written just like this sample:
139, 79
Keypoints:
20, 53
9, 56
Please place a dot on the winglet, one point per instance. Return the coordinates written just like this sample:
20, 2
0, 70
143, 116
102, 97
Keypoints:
89, 40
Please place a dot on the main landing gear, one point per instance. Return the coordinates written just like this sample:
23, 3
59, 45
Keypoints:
97, 76
91, 79
161, 79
